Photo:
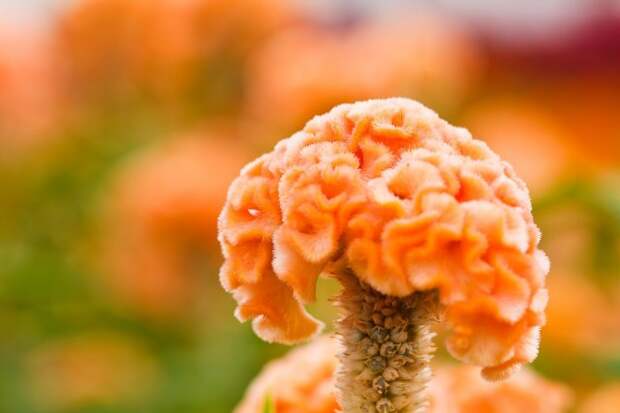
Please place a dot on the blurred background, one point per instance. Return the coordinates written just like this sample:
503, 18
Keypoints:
122, 122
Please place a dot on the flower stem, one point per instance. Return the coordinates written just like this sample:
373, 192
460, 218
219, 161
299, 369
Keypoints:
387, 347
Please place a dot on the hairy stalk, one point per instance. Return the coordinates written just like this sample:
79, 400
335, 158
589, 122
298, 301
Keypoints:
387, 347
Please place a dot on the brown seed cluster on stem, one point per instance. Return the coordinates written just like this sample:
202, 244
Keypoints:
388, 344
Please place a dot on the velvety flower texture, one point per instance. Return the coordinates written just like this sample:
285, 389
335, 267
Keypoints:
453, 389
406, 201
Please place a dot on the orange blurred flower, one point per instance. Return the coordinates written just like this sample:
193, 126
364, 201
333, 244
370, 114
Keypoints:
90, 368
595, 122
300, 382
604, 400
532, 140
307, 70
406, 201
162, 220
452, 390
462, 390
161, 46
29, 98
594, 328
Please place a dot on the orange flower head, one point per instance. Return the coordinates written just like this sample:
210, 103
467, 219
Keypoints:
408, 203
453, 389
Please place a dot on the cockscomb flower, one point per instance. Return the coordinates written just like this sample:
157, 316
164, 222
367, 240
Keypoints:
453, 389
416, 219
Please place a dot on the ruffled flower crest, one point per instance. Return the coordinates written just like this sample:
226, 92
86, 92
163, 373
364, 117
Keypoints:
409, 203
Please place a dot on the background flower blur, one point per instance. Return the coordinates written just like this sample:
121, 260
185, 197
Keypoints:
122, 122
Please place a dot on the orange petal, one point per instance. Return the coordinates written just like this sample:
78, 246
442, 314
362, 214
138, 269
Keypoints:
277, 316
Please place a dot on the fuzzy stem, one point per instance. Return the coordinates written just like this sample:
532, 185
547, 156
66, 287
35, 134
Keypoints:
387, 347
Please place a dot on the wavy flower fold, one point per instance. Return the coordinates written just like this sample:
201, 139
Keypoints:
407, 202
